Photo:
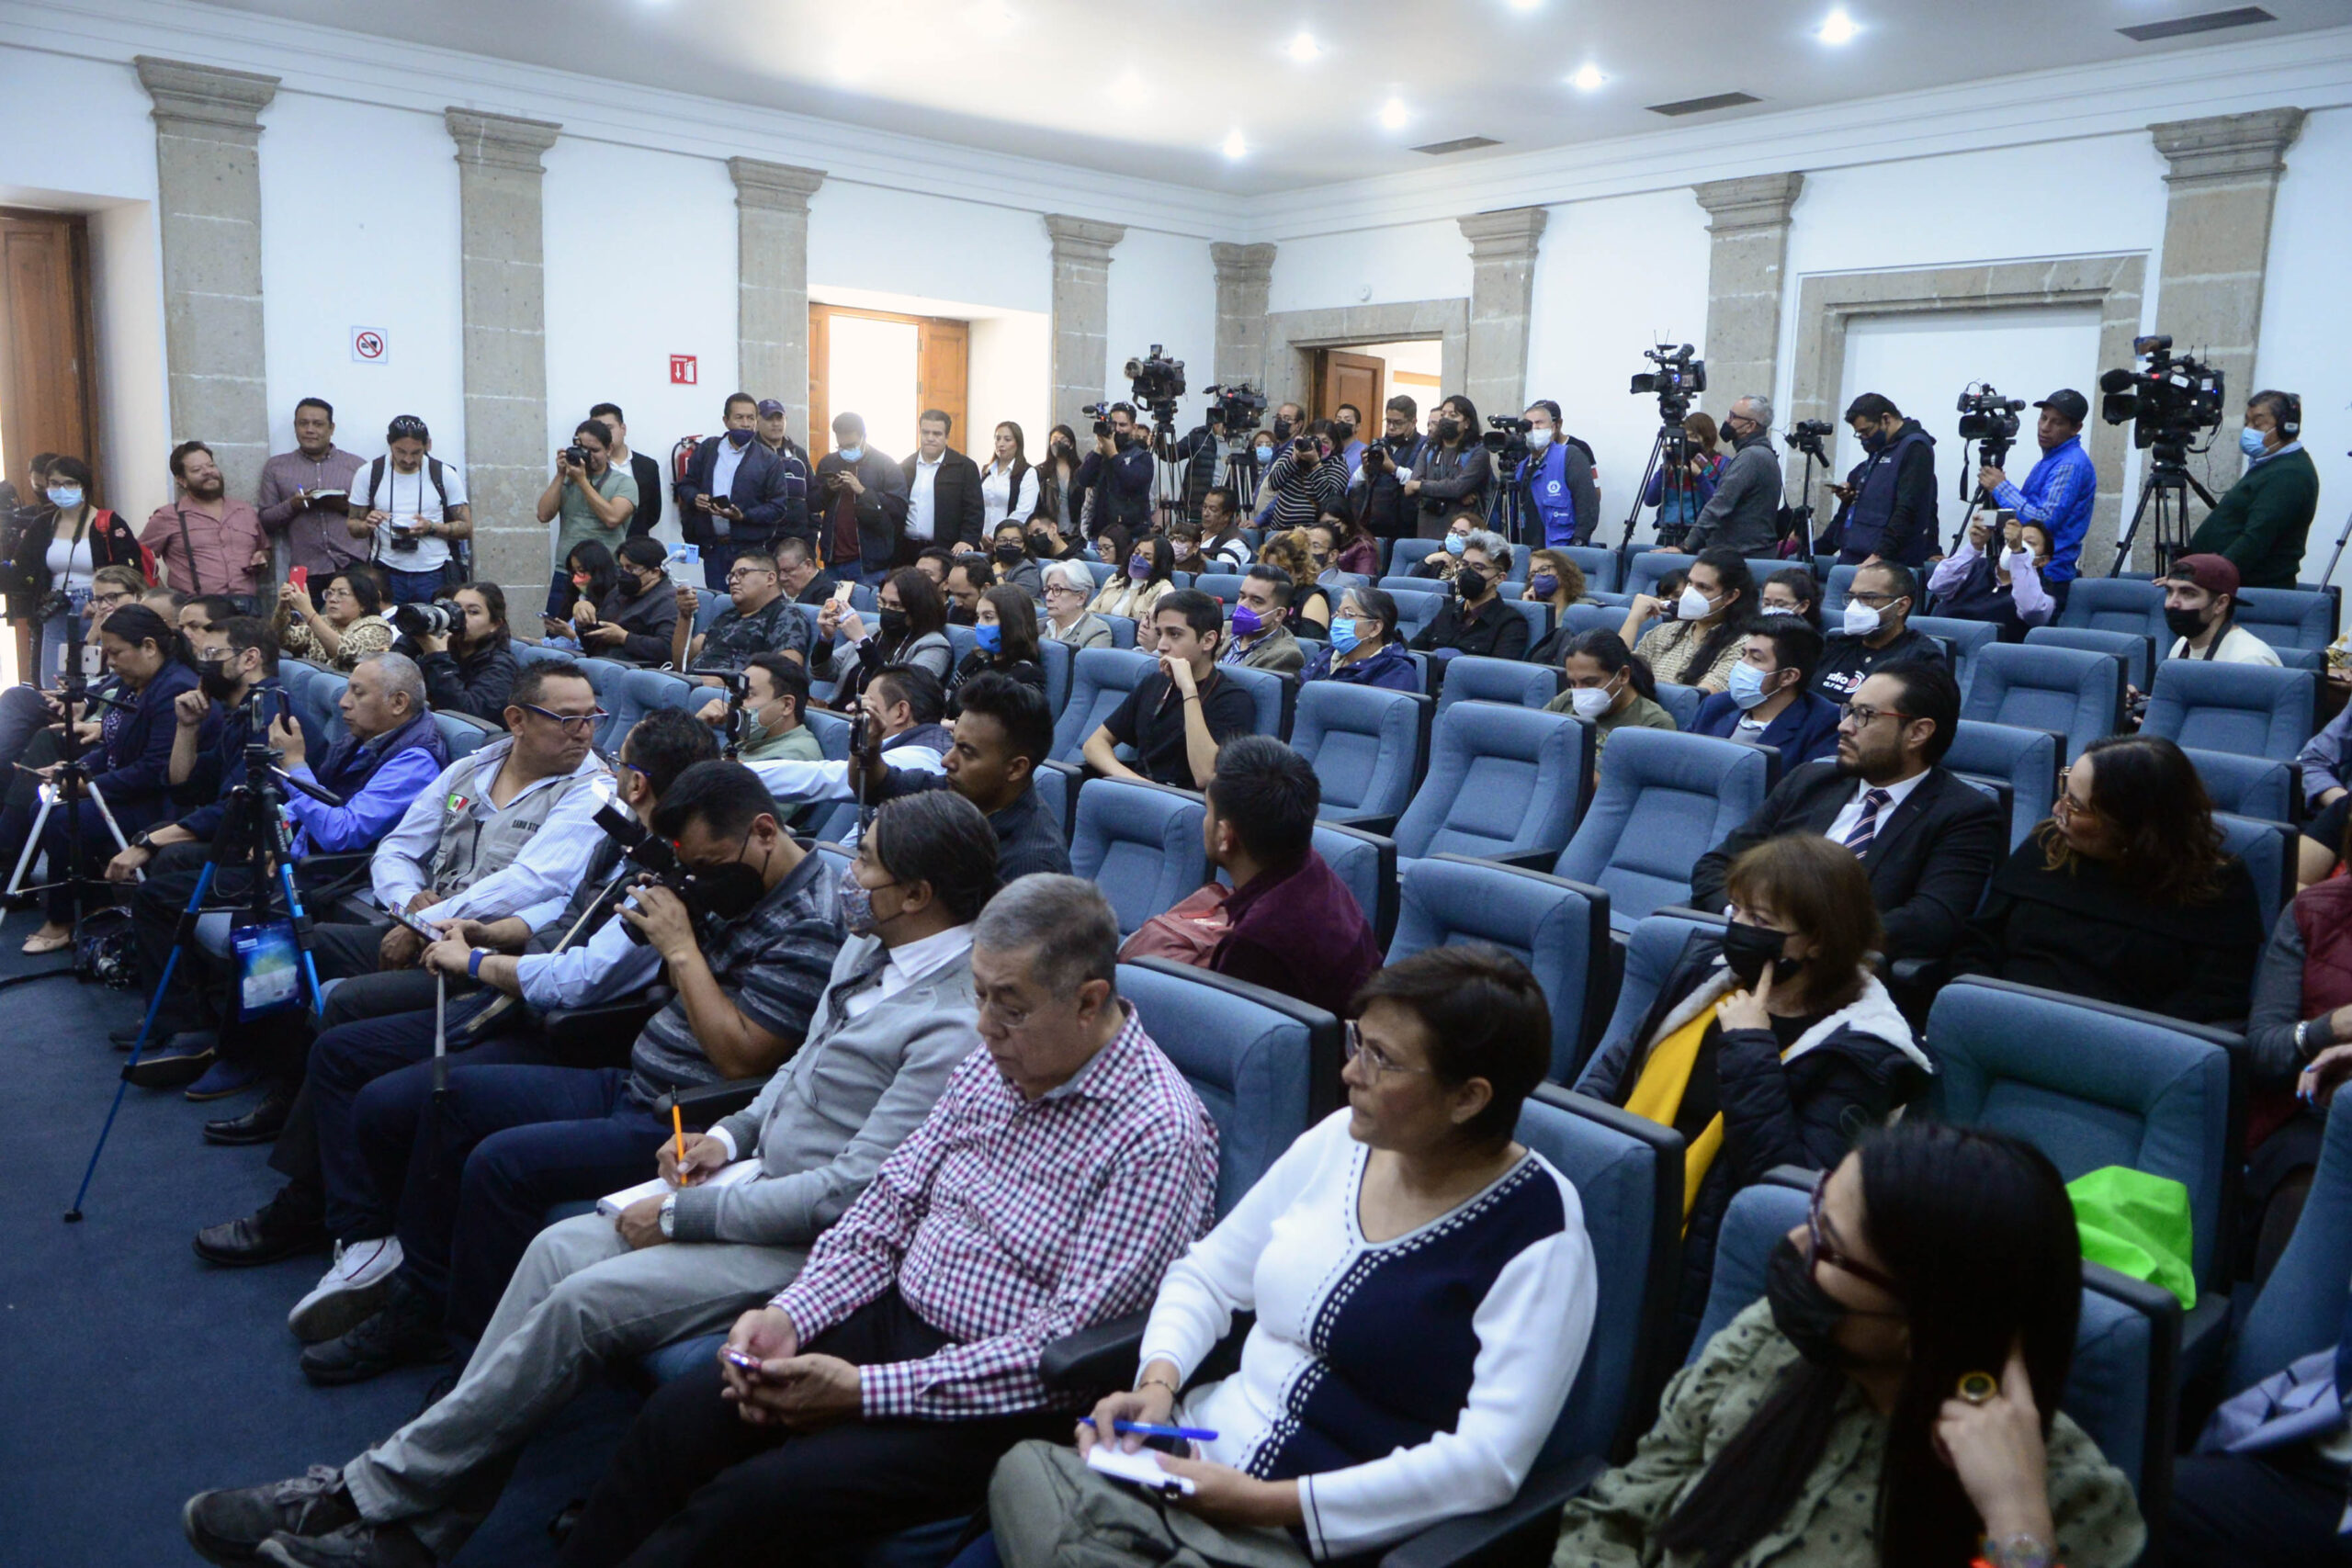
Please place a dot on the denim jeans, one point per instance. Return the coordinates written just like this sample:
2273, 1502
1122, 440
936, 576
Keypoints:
416, 587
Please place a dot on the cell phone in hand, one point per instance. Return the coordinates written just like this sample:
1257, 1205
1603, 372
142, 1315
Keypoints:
300, 578
741, 1361
419, 927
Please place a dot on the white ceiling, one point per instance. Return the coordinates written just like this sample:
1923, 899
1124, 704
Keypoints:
1157, 97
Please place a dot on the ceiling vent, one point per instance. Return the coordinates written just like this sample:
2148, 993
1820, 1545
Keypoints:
1459, 144
1702, 105
2182, 27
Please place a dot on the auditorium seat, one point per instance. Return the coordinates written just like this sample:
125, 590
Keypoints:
2028, 759
1123, 630
1511, 681
1366, 862
1225, 587
1141, 844
1503, 783
636, 693
1405, 554
1272, 696
1058, 659
2288, 617
961, 643
831, 730
1643, 571
2249, 786
1835, 587
710, 605
1664, 800
1681, 703
1597, 563
1583, 618
2133, 606
1101, 679
1558, 928
2079, 695
2252, 710
1962, 641
463, 734
1650, 951
605, 678
1057, 786
2137, 650
2268, 850
1367, 746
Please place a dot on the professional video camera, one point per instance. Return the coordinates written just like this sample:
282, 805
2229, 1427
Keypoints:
424, 619
1677, 379
1102, 415
1990, 420
1236, 408
1507, 435
1807, 436
1155, 379
2166, 400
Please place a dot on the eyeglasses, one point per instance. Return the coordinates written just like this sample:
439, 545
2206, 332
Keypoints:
1379, 1061
741, 572
1874, 600
1825, 1251
569, 723
1862, 717
2066, 806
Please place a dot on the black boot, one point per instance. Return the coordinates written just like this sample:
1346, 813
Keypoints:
292, 1222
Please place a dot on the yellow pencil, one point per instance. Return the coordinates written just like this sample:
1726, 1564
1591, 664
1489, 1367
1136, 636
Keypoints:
678, 1125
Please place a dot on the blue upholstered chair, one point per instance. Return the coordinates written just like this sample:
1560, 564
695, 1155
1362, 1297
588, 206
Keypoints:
2137, 650
1557, 928
1367, 746
2253, 710
1511, 681
2036, 686
2027, 760
1101, 679
1665, 799
1503, 783
1140, 843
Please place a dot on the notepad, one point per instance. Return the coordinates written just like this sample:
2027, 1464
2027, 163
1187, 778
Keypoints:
612, 1203
1141, 1468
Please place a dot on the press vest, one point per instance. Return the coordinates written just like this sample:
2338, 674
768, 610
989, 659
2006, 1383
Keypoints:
474, 844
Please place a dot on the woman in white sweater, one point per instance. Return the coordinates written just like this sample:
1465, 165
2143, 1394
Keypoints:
1423, 1288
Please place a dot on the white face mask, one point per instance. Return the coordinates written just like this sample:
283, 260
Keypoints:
1538, 439
1693, 605
1860, 619
1590, 701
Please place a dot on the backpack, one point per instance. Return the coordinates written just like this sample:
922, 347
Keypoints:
461, 551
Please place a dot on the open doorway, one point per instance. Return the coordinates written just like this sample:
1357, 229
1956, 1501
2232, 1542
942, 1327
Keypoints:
887, 368
1365, 376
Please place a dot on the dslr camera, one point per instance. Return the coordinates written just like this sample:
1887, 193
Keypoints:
435, 620
1156, 380
1807, 436
577, 453
2165, 399
1676, 379
1236, 408
648, 854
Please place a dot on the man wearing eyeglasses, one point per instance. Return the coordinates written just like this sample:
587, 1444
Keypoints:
759, 618
1928, 839
1875, 631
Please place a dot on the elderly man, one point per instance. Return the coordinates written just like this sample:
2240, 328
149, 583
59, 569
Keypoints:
1744, 513
1063, 1170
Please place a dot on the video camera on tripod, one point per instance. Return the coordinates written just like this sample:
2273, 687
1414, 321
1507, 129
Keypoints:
1807, 437
1678, 379
2166, 400
1508, 439
1155, 382
1237, 409
1990, 421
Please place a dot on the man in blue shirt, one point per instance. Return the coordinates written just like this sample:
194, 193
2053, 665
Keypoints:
2059, 492
1556, 481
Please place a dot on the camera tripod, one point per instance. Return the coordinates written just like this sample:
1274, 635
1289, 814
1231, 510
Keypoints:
1671, 447
2163, 495
253, 830
1507, 511
1991, 453
738, 690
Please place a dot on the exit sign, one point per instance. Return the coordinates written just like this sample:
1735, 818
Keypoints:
681, 370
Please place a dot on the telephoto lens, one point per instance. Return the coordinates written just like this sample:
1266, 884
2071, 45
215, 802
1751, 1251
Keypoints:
423, 620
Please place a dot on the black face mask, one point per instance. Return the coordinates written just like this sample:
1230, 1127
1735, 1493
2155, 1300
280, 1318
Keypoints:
1473, 583
1747, 949
220, 681
1041, 547
1008, 553
1449, 430
1282, 428
726, 892
2184, 623
893, 623
959, 616
1806, 1316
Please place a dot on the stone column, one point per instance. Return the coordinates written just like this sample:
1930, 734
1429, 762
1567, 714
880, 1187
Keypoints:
1081, 314
2223, 180
502, 247
1502, 287
208, 182
1243, 275
772, 283
1748, 220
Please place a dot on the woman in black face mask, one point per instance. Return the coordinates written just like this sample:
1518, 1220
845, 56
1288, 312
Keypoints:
1456, 471
1891, 1403
1769, 1044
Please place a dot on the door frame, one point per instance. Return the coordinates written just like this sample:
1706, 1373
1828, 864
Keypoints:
18, 452
820, 415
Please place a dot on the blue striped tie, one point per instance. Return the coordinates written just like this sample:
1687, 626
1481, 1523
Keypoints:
1859, 841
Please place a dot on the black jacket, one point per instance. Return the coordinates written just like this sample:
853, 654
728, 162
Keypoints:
955, 509
1498, 631
477, 683
647, 472
1122, 487
649, 620
1840, 1077
2083, 931
1928, 863
773, 506
1378, 500
1893, 512
877, 534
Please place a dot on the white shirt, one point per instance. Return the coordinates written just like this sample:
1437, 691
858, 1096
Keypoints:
606, 966
1850, 815
68, 561
919, 499
997, 500
408, 499
547, 871
2239, 646
792, 781
909, 962
722, 474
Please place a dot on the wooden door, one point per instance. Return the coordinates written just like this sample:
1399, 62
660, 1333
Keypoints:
1355, 379
944, 376
48, 393
819, 437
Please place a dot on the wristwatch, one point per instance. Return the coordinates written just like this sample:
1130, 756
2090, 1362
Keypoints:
473, 961
670, 1217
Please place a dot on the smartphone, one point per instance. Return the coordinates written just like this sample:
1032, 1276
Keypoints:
419, 927
300, 578
741, 1361
841, 593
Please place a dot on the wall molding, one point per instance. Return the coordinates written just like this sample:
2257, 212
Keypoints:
1291, 335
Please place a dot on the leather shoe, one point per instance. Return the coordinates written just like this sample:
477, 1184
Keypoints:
260, 1125
293, 1222
175, 1069
123, 1039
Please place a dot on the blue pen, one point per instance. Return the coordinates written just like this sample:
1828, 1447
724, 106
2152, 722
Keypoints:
1146, 1429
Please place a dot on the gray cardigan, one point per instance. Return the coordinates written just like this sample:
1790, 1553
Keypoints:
833, 1113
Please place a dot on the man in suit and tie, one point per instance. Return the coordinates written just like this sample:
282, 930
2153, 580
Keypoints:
941, 505
738, 495
1928, 839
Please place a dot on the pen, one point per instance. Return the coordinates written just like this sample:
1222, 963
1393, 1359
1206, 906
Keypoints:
678, 1126
1147, 1429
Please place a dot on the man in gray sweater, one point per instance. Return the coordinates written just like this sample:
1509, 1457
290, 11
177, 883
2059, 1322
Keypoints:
1744, 513
896, 1017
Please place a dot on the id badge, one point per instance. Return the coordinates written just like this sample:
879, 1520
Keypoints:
268, 968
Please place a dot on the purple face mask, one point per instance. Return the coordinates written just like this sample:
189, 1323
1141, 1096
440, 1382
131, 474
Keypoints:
1139, 568
1245, 621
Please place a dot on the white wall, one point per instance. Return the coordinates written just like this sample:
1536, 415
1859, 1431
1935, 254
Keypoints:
2306, 347
134, 396
339, 253
1378, 266
1012, 370
1164, 290
938, 247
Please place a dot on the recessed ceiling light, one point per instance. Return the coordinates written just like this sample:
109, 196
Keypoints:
1588, 77
1836, 28
1393, 114
1234, 147
1303, 48
1525, 5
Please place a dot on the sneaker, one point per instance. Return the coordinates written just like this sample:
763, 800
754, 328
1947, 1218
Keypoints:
222, 1079
406, 1332
358, 1545
291, 1222
176, 1068
351, 1291
230, 1526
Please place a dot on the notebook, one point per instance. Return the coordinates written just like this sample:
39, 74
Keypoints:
1141, 1468
612, 1203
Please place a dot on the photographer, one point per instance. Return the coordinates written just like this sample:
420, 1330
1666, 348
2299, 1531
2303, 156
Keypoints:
1378, 495
1970, 584
738, 495
775, 701
1743, 512
409, 538
645, 469
1557, 479
1892, 514
855, 485
1118, 473
1456, 471
595, 500
344, 627
2260, 522
1679, 491
1308, 479
472, 668
637, 622
2058, 493
758, 619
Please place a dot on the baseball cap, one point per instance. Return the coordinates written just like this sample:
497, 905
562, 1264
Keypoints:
2068, 402
2215, 574
770, 408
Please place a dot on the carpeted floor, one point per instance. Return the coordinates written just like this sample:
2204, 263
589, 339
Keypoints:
133, 1374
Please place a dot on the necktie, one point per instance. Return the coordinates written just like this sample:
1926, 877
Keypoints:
1859, 841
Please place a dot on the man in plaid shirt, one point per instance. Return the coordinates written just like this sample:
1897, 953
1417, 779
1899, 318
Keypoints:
1062, 1172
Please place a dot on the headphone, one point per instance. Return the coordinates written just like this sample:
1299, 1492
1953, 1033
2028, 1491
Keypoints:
2292, 423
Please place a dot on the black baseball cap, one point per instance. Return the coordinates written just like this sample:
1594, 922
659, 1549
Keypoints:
2069, 403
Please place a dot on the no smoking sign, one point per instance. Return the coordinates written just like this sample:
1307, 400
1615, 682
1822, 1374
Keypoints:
368, 346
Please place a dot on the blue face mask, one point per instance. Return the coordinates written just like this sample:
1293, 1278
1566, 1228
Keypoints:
1455, 544
990, 638
1747, 686
2250, 442
853, 454
65, 498
1343, 636
739, 439
1544, 584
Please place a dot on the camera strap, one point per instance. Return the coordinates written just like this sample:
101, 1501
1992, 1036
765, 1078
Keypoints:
195, 583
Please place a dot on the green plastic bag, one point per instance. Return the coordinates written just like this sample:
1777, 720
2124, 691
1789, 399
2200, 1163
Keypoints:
2137, 1225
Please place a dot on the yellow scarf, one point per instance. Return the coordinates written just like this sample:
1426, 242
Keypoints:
1657, 1096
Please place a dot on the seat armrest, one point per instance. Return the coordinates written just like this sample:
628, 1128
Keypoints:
705, 1105
1533, 860
1385, 826
1100, 1357
1520, 1530
601, 1035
